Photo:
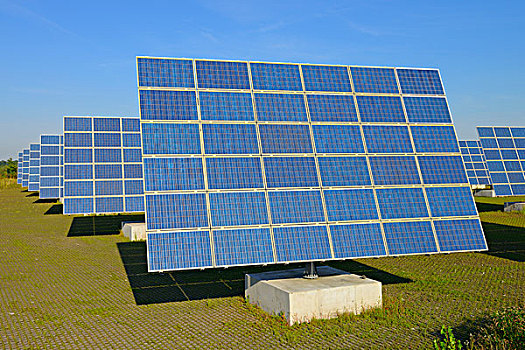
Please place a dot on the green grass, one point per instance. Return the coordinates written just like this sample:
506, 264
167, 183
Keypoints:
6, 183
73, 282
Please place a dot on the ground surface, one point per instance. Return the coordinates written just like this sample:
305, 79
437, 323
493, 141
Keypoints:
72, 282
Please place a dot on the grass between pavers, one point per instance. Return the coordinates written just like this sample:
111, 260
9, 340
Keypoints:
73, 282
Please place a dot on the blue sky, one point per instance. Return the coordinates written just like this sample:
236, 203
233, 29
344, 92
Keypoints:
78, 57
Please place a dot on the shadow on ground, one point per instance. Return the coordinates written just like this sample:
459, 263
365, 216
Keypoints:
154, 288
32, 194
504, 241
46, 201
100, 224
55, 209
483, 207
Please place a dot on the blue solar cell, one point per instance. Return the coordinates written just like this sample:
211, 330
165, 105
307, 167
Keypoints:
77, 124
518, 132
332, 108
134, 204
502, 190
78, 172
49, 192
171, 211
442, 169
338, 139
130, 124
451, 201
381, 109
170, 174
108, 171
268, 76
420, 81
454, 235
518, 189
499, 178
104, 155
108, 188
49, 150
280, 107
132, 155
222, 75
427, 110
520, 143
357, 240
387, 139
109, 205
344, 171
409, 237
133, 187
168, 105
233, 173
171, 139
297, 138
78, 205
505, 143
521, 154
79, 155
394, 170
49, 139
178, 250
346, 205
106, 124
226, 106
165, 72
485, 132
133, 171
507, 154
516, 178
374, 80
230, 139
131, 140
437, 139
326, 78
492, 154
243, 246
397, 203
512, 166
106, 140
78, 140
78, 188
238, 208
49, 181
502, 132
296, 206
49, 171
290, 172
301, 243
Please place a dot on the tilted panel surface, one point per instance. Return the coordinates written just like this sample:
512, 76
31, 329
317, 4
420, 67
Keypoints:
475, 163
51, 158
256, 163
25, 167
504, 152
34, 167
102, 156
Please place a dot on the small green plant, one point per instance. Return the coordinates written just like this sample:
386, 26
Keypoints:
503, 330
449, 341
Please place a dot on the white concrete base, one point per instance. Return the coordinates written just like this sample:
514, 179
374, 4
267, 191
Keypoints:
485, 193
300, 300
514, 206
135, 231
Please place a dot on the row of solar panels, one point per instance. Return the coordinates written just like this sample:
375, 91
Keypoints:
497, 159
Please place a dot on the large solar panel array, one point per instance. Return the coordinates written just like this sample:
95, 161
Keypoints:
51, 166
102, 165
19, 169
475, 163
34, 167
257, 163
504, 150
25, 168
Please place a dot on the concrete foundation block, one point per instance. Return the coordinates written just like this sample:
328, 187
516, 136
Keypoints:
514, 206
485, 193
135, 231
300, 300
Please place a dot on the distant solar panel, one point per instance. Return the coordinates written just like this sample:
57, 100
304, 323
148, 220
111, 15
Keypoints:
51, 166
19, 169
256, 163
34, 167
102, 165
475, 163
504, 151
25, 168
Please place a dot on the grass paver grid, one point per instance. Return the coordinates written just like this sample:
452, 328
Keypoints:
61, 289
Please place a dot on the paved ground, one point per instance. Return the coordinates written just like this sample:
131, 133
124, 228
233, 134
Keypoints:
72, 282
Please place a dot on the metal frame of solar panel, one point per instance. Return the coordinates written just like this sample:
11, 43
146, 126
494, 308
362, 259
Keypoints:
102, 165
504, 150
34, 167
19, 168
256, 163
475, 163
25, 168
51, 167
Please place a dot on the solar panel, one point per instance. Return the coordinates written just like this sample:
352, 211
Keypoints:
51, 166
25, 167
504, 151
475, 163
102, 165
19, 169
34, 167
257, 163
